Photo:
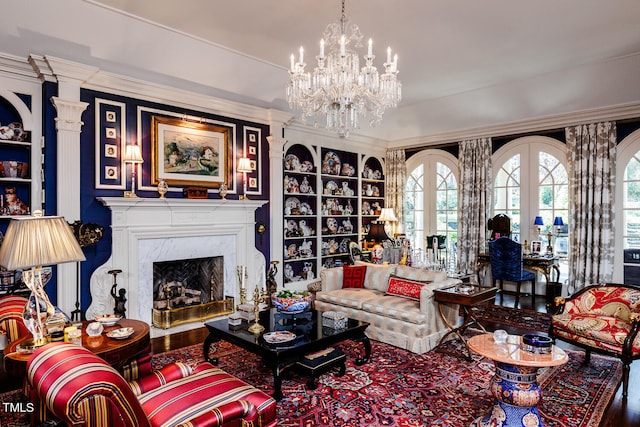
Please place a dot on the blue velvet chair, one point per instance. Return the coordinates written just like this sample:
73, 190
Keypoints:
506, 264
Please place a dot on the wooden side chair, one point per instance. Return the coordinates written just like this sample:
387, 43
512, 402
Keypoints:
505, 256
602, 319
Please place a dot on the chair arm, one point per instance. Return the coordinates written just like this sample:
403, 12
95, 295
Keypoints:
242, 410
627, 346
331, 278
168, 373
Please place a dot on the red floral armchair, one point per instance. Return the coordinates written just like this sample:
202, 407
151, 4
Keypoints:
603, 319
82, 389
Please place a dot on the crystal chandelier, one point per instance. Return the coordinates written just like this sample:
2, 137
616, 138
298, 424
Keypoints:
338, 90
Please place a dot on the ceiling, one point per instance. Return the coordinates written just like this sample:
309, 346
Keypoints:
463, 64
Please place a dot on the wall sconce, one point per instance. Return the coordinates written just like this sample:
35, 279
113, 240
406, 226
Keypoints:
132, 155
244, 166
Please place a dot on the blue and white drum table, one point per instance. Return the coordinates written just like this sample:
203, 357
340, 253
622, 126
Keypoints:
515, 385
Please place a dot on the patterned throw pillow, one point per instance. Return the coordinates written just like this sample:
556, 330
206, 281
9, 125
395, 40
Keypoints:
404, 288
353, 276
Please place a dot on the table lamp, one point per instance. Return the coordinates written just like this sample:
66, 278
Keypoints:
244, 166
377, 233
558, 223
132, 155
387, 215
539, 223
30, 243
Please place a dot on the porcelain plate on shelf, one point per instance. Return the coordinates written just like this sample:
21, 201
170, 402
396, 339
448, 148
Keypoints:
120, 333
108, 319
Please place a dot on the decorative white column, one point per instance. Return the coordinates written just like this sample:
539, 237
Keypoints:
276, 215
68, 126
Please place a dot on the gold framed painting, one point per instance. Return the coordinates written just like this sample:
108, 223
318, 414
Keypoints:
187, 153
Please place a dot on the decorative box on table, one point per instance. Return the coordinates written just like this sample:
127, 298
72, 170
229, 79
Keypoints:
334, 319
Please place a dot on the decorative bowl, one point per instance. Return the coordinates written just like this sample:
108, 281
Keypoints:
296, 303
108, 319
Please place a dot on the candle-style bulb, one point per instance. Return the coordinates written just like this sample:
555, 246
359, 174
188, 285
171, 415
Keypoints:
292, 62
389, 55
370, 51
342, 43
321, 48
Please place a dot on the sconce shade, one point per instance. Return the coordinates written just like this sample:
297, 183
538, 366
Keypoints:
538, 221
244, 165
387, 214
133, 154
377, 233
558, 221
38, 241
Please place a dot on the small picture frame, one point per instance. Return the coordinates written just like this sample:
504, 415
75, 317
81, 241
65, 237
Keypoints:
252, 150
252, 138
253, 164
111, 150
110, 133
110, 116
253, 183
111, 172
536, 247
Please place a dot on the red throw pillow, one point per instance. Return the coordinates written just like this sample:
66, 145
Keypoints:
353, 276
404, 288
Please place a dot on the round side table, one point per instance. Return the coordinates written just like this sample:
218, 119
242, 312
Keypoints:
515, 385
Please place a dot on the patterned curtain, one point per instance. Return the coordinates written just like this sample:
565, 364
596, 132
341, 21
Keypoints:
591, 163
474, 200
396, 173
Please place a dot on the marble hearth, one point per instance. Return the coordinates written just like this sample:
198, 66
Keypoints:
145, 231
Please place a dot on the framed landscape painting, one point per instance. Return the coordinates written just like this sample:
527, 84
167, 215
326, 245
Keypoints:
186, 153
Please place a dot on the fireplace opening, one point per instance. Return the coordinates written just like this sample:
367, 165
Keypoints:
189, 290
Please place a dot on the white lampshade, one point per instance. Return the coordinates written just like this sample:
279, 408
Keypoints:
133, 154
387, 214
37, 241
244, 165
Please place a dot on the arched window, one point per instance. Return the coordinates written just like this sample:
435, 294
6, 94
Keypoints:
431, 197
628, 210
531, 180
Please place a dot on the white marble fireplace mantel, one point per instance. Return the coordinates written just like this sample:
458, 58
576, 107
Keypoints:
153, 230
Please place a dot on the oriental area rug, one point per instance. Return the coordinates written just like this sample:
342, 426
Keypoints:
403, 389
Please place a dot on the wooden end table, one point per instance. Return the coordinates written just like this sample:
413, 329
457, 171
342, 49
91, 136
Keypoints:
466, 295
113, 351
515, 385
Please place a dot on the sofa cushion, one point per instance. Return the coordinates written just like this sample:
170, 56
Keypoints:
405, 288
353, 276
350, 297
377, 277
420, 274
404, 309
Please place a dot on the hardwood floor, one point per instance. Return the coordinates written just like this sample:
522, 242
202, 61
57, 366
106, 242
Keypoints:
620, 413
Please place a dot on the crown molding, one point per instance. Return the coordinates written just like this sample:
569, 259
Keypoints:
615, 112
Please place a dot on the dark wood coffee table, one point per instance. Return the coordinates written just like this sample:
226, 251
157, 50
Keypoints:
466, 295
310, 337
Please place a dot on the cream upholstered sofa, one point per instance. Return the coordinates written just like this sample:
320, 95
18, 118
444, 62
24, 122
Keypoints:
412, 324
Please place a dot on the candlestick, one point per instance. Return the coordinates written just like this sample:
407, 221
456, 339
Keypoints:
258, 297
